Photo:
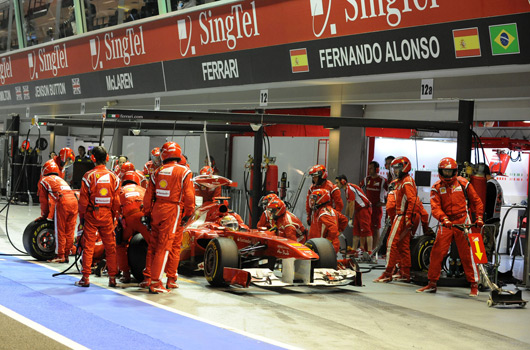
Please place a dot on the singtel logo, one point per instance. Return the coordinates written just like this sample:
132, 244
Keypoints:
122, 48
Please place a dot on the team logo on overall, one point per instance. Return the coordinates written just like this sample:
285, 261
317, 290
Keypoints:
103, 192
162, 184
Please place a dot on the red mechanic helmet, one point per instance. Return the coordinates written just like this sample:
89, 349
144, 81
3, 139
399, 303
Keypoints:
170, 150
66, 154
125, 167
447, 163
206, 170
276, 208
155, 152
402, 164
264, 201
318, 170
319, 197
130, 176
49, 168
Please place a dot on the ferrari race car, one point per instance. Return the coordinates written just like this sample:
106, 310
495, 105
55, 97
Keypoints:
233, 255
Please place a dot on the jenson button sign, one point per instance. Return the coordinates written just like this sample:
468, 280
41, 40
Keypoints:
241, 42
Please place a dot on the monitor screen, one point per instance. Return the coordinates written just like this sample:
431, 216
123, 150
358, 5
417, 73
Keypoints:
80, 168
422, 178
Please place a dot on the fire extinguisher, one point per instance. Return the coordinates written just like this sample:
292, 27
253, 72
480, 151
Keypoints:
271, 175
477, 178
283, 186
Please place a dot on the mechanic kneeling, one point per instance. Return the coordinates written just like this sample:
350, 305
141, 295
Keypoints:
131, 199
326, 222
284, 223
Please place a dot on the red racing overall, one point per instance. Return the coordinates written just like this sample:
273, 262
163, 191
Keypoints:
169, 194
58, 203
131, 199
448, 200
398, 244
99, 205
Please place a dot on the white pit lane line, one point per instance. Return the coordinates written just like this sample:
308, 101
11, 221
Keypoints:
41, 329
178, 312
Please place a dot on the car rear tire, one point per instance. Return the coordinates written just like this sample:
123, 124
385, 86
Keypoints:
220, 253
420, 252
326, 253
39, 239
136, 254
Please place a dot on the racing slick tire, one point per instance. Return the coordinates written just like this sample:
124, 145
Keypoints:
420, 252
221, 252
39, 239
326, 252
136, 254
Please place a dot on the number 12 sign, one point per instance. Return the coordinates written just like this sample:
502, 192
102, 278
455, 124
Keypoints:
427, 89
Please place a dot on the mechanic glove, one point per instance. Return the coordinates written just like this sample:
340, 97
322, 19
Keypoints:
273, 229
479, 222
184, 220
350, 223
447, 223
309, 221
408, 223
146, 221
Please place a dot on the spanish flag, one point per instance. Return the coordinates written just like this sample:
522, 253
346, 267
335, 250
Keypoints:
299, 61
466, 42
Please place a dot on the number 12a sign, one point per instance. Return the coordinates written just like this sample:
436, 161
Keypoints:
427, 89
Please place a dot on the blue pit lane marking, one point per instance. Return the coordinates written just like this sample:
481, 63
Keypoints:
102, 319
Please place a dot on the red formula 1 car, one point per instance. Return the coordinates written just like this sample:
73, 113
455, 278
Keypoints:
230, 254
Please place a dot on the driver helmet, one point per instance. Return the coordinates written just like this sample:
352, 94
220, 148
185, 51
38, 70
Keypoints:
230, 223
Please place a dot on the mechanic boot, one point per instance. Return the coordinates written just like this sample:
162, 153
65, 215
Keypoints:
474, 290
112, 282
58, 259
145, 283
384, 278
126, 278
172, 283
83, 282
429, 288
403, 278
157, 287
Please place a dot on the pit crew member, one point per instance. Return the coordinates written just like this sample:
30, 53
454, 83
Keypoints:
169, 202
131, 200
375, 187
99, 205
58, 203
398, 244
359, 213
284, 223
326, 222
453, 199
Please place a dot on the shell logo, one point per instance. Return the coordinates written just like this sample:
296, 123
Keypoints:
103, 192
163, 184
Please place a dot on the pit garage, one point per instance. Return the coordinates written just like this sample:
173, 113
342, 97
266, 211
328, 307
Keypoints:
262, 124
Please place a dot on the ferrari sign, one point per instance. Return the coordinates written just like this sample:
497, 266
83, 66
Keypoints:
477, 247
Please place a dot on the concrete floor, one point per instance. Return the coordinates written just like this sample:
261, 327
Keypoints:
375, 316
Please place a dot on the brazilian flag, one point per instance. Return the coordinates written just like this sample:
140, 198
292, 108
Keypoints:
504, 39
